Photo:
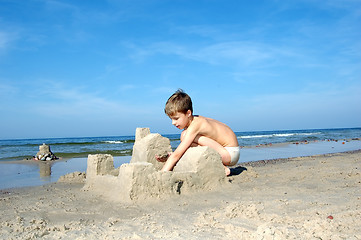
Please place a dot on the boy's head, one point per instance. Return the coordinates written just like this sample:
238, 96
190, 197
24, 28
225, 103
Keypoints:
178, 102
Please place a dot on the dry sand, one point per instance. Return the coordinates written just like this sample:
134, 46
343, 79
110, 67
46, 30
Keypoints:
315, 197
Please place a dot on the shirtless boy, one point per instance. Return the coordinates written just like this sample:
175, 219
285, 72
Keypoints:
198, 131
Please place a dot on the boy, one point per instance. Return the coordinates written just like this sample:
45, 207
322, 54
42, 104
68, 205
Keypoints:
198, 131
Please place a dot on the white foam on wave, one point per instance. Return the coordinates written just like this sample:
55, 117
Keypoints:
114, 142
279, 135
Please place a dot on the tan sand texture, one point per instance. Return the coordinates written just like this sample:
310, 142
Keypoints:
316, 197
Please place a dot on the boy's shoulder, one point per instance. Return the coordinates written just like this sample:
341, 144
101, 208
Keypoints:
199, 118
199, 121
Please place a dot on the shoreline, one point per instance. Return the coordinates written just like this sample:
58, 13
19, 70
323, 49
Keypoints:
314, 197
22, 173
259, 146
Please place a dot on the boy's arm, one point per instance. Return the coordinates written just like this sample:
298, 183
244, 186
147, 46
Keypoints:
181, 149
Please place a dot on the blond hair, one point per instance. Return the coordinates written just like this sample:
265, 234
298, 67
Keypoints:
178, 102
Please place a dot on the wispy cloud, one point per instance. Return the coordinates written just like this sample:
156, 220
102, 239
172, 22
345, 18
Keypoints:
6, 90
7, 38
3, 40
244, 53
332, 108
63, 100
58, 5
349, 5
241, 52
81, 14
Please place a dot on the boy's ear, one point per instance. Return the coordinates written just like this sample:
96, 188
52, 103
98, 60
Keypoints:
189, 113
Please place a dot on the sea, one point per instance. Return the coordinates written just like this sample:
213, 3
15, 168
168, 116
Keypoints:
256, 145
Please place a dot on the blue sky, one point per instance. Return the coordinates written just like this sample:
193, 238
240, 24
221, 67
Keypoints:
103, 68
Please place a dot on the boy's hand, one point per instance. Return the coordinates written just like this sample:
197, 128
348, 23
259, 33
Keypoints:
163, 158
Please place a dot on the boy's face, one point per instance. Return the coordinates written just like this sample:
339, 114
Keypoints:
181, 120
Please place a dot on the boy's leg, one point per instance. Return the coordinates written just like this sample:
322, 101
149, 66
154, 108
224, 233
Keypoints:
204, 141
226, 157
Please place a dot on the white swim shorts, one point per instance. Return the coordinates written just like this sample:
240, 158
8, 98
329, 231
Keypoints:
234, 152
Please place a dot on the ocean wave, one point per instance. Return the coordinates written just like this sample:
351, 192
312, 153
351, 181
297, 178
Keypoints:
66, 155
124, 152
66, 143
114, 142
278, 135
20, 145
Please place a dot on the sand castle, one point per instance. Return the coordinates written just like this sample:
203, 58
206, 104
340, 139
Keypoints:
200, 168
44, 153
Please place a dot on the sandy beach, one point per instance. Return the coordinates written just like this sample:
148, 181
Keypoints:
317, 197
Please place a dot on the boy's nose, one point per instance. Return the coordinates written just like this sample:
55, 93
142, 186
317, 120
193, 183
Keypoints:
173, 122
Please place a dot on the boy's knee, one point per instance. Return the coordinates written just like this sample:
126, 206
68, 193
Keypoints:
226, 158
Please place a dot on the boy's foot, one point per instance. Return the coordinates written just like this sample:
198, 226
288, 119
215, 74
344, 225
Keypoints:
227, 171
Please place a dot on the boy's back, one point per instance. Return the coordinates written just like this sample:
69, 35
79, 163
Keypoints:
213, 129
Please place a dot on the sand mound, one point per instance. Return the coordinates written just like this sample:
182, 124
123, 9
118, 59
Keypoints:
75, 177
